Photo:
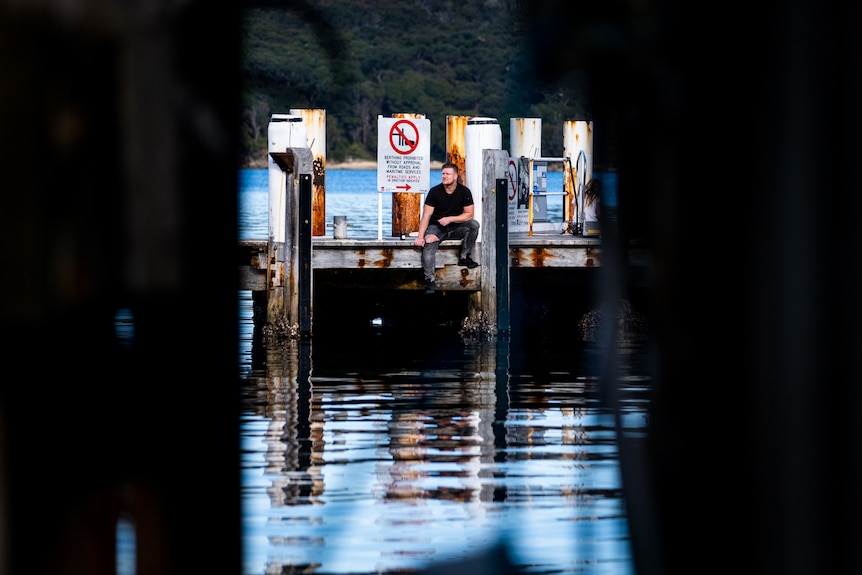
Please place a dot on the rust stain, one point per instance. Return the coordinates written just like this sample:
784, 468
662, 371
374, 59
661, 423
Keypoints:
360, 259
318, 198
314, 120
456, 156
520, 124
593, 258
455, 142
466, 280
319, 171
386, 261
538, 258
514, 260
406, 208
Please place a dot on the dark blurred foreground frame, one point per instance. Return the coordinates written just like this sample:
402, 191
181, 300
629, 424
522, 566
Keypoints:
118, 176
736, 137
736, 134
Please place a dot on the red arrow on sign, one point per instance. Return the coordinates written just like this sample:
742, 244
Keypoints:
405, 186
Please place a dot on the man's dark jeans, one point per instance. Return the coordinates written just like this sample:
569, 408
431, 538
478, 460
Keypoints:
467, 231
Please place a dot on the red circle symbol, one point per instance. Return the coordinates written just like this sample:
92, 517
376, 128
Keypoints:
404, 137
513, 179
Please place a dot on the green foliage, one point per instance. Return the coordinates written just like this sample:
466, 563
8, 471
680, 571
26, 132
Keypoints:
358, 59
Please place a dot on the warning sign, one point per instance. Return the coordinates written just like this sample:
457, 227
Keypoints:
403, 154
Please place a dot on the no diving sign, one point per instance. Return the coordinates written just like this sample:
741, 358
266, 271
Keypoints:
403, 154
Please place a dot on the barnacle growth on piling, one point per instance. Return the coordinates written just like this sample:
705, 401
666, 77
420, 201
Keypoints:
477, 326
631, 324
274, 333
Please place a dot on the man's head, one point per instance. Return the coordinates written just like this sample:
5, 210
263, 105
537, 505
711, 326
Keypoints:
449, 174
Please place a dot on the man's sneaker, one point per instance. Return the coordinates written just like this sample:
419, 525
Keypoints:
429, 287
468, 262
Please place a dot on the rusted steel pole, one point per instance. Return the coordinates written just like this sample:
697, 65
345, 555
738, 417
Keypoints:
455, 144
406, 206
315, 127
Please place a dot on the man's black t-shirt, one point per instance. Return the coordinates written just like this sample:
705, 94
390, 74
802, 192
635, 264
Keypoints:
448, 204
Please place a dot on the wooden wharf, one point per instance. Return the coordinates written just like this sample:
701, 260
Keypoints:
282, 272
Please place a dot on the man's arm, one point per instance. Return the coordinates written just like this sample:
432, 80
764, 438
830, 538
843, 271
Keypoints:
465, 216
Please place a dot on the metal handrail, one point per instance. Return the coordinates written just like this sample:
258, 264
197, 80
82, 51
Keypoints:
564, 160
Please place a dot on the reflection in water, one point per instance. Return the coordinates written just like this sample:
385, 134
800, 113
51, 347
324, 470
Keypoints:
372, 458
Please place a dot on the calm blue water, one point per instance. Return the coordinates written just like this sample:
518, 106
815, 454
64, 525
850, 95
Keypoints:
368, 451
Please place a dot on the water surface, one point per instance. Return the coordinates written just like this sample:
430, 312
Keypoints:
392, 442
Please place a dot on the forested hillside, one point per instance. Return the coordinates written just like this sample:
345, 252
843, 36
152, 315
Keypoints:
358, 59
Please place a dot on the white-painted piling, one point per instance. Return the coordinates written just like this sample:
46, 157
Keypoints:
479, 134
284, 131
525, 137
578, 148
525, 141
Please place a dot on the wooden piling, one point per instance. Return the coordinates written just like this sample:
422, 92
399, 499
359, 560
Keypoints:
283, 277
494, 291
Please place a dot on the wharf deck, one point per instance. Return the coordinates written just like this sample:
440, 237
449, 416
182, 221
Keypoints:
539, 250
287, 270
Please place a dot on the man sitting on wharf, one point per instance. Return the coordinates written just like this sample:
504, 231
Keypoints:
447, 214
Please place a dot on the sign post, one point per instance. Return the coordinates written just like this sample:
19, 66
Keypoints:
403, 168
